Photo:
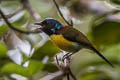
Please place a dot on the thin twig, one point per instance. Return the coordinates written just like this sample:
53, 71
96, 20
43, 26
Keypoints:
57, 60
68, 77
26, 4
72, 75
53, 76
13, 28
14, 13
70, 24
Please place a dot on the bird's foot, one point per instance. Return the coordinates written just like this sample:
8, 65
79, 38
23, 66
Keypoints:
66, 56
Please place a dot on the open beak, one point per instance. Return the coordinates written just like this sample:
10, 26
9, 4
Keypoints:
38, 23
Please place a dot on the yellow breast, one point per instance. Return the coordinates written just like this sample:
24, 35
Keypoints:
63, 43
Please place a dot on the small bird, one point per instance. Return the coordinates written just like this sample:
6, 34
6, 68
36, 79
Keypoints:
67, 38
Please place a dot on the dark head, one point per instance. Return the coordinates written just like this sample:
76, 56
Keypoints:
50, 26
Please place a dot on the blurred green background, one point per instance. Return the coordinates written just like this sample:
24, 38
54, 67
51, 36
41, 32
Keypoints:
30, 57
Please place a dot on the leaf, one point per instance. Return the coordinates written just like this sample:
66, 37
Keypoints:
116, 1
50, 67
3, 30
35, 66
15, 55
3, 50
106, 33
84, 62
95, 75
48, 49
89, 76
14, 68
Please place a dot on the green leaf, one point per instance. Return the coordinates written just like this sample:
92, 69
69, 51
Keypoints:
89, 77
3, 50
84, 62
50, 67
95, 75
35, 66
3, 30
108, 32
14, 68
48, 49
116, 1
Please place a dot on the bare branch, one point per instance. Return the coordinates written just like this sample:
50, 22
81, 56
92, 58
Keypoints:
70, 24
72, 75
68, 77
38, 30
26, 4
53, 76
14, 13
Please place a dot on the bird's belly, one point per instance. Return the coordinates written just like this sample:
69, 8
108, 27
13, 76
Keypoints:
65, 44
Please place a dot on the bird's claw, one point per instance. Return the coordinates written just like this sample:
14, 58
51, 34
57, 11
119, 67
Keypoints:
66, 56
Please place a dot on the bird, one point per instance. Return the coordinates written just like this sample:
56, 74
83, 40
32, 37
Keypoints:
67, 38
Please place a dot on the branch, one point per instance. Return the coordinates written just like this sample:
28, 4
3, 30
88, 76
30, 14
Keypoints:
35, 15
70, 24
38, 30
14, 13
53, 76
64, 65
68, 77
72, 75
26, 4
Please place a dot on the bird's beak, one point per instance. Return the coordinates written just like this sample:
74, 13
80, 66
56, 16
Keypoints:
38, 23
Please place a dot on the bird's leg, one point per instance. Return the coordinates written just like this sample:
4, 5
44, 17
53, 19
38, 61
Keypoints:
63, 63
67, 56
57, 60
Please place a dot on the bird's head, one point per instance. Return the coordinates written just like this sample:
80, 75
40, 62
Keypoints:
50, 26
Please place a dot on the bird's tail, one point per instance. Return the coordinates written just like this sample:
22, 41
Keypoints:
98, 53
